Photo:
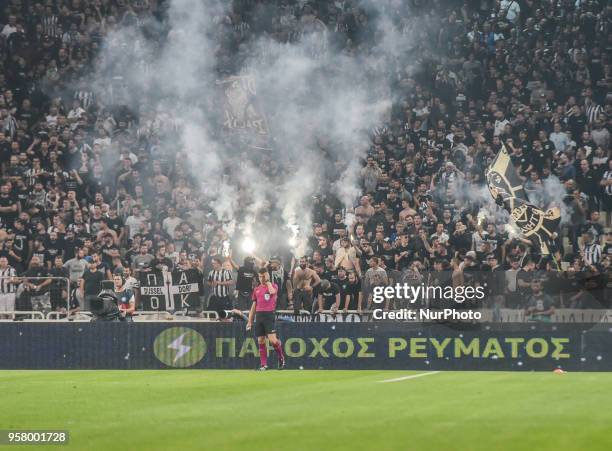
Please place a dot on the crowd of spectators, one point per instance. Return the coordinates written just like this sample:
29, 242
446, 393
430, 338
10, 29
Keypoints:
533, 74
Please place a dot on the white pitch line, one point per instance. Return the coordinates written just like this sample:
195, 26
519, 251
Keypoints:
412, 376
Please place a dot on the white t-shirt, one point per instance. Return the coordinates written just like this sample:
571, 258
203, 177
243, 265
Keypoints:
169, 224
513, 9
8, 30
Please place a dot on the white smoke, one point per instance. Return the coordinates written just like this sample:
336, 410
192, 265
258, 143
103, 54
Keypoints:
321, 105
555, 193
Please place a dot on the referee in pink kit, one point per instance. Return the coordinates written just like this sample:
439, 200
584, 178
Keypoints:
264, 304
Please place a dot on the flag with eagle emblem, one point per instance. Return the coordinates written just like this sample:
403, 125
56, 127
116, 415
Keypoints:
507, 189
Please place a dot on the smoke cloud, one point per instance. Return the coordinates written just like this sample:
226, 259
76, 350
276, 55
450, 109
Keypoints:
316, 105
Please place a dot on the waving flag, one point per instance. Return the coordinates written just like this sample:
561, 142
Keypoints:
506, 187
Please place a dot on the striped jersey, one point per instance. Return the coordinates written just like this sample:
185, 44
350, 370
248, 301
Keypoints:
221, 275
5, 286
592, 254
608, 176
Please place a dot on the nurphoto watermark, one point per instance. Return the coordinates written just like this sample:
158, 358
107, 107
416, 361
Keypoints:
438, 300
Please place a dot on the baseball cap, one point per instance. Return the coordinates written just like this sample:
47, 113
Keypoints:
471, 254
89, 259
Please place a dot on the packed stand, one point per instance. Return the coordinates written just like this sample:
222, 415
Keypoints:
534, 75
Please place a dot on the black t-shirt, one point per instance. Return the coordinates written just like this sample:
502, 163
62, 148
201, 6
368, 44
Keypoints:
36, 273
21, 243
69, 249
587, 182
158, 262
57, 285
6, 200
5, 151
405, 260
526, 277
382, 190
348, 289
593, 227
461, 241
54, 248
93, 281
330, 275
22, 195
522, 161
336, 228
95, 224
363, 259
115, 224
42, 255
329, 295
325, 251
541, 156
496, 242
388, 256
244, 281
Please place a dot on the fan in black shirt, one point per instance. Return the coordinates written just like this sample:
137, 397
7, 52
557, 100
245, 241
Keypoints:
54, 246
387, 253
34, 282
404, 253
350, 290
461, 240
329, 296
58, 289
245, 282
8, 206
337, 226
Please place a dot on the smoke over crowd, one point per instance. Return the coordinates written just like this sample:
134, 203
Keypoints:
150, 135
314, 106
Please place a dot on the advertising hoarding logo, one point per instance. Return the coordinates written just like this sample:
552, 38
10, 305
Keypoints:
179, 347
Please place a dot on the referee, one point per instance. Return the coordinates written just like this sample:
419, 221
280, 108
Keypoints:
7, 286
219, 280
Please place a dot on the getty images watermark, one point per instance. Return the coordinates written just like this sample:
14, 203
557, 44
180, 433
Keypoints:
430, 295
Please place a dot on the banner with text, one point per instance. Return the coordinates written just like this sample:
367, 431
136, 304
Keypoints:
307, 346
164, 291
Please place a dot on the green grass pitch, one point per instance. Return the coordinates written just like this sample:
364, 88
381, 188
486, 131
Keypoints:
311, 410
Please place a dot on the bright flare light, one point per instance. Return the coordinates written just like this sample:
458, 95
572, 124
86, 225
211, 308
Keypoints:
481, 218
248, 245
512, 230
295, 230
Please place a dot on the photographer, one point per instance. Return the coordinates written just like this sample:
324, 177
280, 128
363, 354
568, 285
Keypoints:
104, 307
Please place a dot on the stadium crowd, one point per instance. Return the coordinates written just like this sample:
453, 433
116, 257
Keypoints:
534, 74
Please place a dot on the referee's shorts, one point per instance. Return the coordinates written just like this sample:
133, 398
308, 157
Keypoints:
7, 302
264, 324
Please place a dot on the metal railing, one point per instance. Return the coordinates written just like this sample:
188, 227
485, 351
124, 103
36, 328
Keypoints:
152, 316
204, 316
22, 289
13, 315
78, 316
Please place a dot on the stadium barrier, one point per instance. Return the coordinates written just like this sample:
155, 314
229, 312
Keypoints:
572, 316
26, 300
405, 346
